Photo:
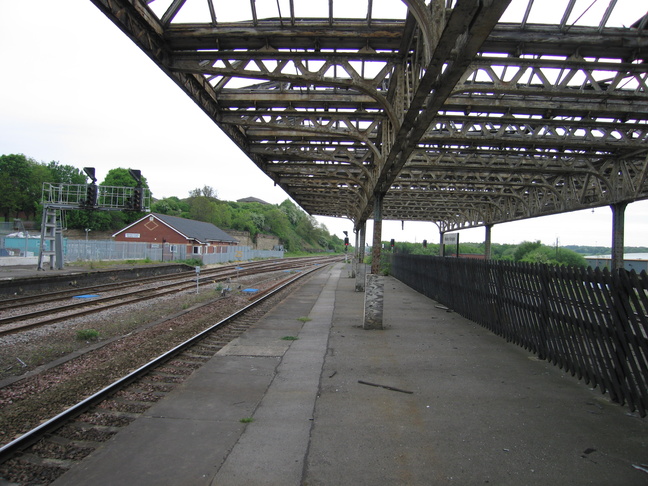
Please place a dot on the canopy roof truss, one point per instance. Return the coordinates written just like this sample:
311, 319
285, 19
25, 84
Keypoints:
459, 112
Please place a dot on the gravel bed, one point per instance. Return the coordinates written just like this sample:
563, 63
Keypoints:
133, 336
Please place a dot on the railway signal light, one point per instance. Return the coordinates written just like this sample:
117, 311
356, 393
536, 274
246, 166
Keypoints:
137, 202
346, 244
91, 195
90, 172
137, 175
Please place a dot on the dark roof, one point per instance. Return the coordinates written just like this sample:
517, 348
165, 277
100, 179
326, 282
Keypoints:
194, 230
252, 200
197, 230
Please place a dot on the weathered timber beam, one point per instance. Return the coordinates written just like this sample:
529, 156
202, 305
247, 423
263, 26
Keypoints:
313, 34
262, 54
550, 40
467, 28
567, 143
519, 104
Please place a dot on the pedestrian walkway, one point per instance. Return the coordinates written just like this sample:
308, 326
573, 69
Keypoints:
431, 399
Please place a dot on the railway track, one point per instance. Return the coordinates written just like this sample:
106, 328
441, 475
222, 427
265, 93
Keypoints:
101, 297
44, 453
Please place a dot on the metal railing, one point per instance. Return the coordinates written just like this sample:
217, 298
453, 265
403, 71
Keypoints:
591, 323
96, 250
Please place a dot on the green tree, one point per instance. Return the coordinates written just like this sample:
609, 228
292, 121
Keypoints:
65, 174
21, 181
206, 191
122, 178
202, 208
171, 206
524, 248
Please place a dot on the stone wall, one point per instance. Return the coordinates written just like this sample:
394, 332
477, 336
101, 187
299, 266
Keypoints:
266, 242
243, 237
263, 242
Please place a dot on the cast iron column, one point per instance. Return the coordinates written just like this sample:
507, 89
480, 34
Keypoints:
360, 266
377, 234
618, 224
487, 242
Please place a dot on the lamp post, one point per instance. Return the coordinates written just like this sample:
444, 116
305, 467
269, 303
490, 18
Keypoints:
87, 230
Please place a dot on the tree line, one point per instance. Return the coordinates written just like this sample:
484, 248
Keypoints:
297, 230
22, 178
527, 252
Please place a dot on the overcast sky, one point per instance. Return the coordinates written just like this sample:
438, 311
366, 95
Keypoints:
76, 90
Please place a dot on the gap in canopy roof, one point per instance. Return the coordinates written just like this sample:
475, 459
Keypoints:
584, 12
197, 11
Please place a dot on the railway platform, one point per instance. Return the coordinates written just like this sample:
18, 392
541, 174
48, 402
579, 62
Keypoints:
431, 399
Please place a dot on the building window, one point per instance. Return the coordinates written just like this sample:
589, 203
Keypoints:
196, 250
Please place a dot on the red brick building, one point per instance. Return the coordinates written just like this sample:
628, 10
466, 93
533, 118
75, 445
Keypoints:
199, 238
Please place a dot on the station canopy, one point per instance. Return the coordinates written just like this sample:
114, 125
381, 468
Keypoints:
459, 112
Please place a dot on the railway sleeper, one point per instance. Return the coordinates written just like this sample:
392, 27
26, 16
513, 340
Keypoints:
110, 418
176, 370
131, 406
191, 358
191, 366
84, 431
62, 448
204, 349
158, 376
141, 395
36, 460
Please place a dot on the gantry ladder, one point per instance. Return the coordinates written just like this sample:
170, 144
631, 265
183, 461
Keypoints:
51, 243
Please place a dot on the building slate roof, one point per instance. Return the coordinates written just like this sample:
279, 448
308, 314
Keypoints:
196, 230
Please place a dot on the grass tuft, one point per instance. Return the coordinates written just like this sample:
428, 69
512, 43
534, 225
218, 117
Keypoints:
87, 335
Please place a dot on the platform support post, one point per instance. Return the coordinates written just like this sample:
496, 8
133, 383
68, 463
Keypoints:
487, 242
360, 252
618, 230
374, 286
377, 234
374, 298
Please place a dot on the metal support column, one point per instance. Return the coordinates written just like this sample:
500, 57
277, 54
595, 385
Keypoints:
354, 260
618, 228
377, 234
374, 286
487, 242
360, 252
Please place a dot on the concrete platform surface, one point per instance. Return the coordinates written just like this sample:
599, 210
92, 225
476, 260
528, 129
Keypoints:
431, 399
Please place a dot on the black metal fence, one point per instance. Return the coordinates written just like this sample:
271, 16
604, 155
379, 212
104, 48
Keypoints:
591, 323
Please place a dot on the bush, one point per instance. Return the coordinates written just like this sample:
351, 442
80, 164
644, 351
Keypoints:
87, 335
